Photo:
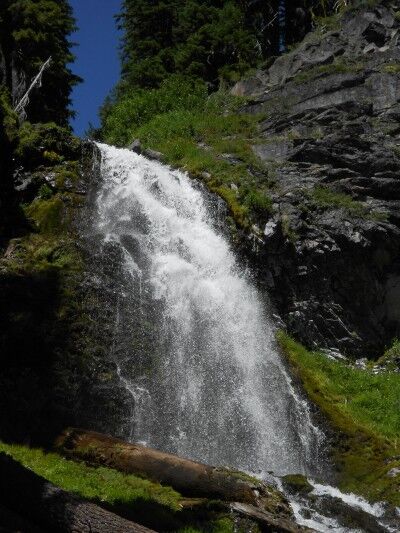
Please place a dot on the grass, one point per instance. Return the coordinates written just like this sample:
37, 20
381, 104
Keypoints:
194, 141
364, 408
200, 134
325, 198
102, 484
134, 497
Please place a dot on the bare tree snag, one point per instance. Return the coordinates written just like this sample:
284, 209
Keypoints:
40, 502
188, 477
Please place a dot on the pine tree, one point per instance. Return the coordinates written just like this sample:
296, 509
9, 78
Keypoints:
212, 40
30, 32
205, 39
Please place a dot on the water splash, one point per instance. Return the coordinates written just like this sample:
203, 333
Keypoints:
204, 370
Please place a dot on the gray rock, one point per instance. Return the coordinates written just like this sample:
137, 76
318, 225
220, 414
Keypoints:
153, 155
330, 257
135, 146
394, 472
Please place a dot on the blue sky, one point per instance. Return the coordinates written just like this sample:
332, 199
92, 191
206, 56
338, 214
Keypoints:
97, 58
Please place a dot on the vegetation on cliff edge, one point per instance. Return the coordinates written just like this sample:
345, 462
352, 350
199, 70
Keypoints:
363, 406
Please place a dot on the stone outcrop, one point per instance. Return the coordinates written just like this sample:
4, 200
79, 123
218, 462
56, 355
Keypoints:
329, 254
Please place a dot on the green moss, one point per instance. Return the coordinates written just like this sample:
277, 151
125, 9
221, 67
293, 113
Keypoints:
325, 198
48, 215
257, 201
41, 253
239, 212
337, 67
364, 408
297, 483
67, 174
391, 68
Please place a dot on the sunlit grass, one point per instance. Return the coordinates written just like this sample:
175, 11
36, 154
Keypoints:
364, 409
100, 483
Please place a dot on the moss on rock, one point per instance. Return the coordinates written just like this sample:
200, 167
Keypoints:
297, 484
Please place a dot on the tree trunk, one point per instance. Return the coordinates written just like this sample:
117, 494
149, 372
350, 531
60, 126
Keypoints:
30, 496
188, 477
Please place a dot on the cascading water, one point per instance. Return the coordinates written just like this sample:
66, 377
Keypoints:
192, 342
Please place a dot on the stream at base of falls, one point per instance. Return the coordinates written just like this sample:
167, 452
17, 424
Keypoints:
192, 338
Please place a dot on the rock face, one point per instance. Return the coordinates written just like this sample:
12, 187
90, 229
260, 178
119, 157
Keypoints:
329, 254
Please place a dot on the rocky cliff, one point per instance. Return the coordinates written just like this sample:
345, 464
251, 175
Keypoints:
329, 254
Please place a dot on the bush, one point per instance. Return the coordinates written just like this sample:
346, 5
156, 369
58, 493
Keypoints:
122, 119
43, 144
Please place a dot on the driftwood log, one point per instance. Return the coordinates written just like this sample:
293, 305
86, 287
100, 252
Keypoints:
188, 477
49, 508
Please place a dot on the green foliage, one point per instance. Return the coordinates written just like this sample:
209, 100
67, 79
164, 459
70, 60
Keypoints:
42, 253
258, 202
137, 107
325, 198
30, 32
47, 214
156, 506
199, 133
364, 407
45, 143
100, 484
8, 119
206, 40
216, 41
391, 358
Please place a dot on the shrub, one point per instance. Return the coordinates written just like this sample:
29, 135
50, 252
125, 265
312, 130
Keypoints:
43, 144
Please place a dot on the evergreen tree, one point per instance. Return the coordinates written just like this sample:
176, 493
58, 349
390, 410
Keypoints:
212, 40
30, 32
206, 39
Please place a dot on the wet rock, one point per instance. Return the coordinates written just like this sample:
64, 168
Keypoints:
297, 484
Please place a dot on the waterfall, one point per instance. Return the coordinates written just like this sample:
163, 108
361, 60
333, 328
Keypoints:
193, 342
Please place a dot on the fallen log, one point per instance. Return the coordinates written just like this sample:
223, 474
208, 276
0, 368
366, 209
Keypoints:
40, 502
190, 478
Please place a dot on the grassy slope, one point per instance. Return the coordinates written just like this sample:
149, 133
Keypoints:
134, 497
364, 408
197, 133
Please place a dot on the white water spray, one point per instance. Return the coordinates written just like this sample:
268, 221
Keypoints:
212, 386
